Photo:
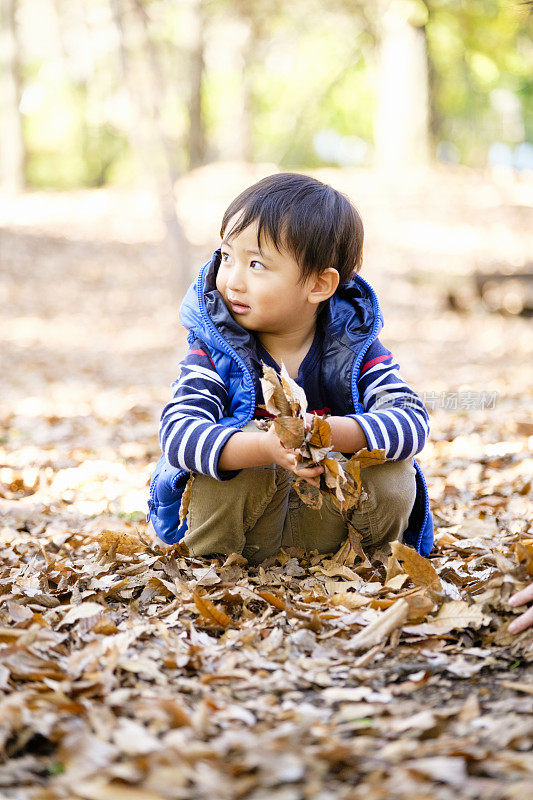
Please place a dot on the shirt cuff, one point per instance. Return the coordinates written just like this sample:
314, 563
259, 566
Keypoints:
372, 431
224, 474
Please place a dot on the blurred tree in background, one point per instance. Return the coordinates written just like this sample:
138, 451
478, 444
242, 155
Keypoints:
98, 91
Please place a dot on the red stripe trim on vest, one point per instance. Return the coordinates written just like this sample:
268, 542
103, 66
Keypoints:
200, 353
374, 361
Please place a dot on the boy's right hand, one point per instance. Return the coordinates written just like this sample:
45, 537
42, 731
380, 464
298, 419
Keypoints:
288, 458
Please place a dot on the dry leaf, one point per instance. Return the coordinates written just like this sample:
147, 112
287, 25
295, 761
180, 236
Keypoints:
103, 789
235, 560
375, 633
526, 688
316, 454
105, 626
277, 602
397, 582
275, 400
308, 493
345, 554
294, 393
348, 600
331, 569
19, 613
355, 540
186, 499
524, 553
419, 569
471, 709
334, 477
420, 605
83, 611
369, 458
393, 568
208, 610
320, 433
455, 615
353, 487
450, 770
117, 542
290, 431
462, 615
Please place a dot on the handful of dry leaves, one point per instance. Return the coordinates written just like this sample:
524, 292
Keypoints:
341, 479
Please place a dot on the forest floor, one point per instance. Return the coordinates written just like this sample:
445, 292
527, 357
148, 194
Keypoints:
130, 671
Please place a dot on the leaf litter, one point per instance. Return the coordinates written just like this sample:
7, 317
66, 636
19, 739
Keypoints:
131, 670
128, 669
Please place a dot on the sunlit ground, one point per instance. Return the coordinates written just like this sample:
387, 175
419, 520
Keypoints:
90, 339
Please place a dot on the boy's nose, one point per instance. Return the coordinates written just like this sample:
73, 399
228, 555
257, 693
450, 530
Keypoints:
236, 280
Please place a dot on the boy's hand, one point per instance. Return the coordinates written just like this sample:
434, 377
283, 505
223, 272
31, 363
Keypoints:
288, 458
526, 619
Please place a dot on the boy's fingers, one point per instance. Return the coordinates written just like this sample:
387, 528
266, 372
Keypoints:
523, 596
522, 622
309, 472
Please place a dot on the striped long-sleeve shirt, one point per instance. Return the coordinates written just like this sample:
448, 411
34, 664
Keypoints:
393, 416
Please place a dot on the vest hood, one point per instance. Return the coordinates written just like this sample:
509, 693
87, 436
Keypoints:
351, 320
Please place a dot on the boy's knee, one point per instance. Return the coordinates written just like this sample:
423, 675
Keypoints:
222, 513
391, 485
391, 489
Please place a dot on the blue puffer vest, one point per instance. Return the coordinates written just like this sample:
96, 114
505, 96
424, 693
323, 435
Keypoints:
352, 322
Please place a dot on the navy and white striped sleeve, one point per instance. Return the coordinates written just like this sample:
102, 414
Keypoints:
189, 434
394, 417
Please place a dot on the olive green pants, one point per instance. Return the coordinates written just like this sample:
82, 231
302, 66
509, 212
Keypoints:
257, 512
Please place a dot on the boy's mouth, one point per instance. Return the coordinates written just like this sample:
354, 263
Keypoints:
239, 308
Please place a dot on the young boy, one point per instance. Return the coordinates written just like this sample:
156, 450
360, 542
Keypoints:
283, 287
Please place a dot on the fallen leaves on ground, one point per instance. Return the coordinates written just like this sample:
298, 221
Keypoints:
131, 669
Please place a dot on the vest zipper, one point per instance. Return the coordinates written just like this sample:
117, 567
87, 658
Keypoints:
426, 505
371, 336
225, 346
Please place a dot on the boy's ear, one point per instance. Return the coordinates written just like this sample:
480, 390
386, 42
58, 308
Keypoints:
323, 286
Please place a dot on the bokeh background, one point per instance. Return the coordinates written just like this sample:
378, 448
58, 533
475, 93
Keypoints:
127, 126
95, 92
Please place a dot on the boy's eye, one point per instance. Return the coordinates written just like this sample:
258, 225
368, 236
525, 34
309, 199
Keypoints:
257, 266
225, 257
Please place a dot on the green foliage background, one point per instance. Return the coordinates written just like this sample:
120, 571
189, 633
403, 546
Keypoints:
312, 67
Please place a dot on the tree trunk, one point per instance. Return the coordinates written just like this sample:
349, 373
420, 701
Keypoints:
234, 135
250, 55
12, 150
149, 141
197, 140
402, 119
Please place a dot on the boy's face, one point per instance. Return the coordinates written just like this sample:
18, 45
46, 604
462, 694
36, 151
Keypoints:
261, 289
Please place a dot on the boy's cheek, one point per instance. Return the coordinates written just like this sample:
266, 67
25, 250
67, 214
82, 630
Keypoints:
220, 286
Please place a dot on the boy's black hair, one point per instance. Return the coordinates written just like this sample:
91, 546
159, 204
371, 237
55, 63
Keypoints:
317, 224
